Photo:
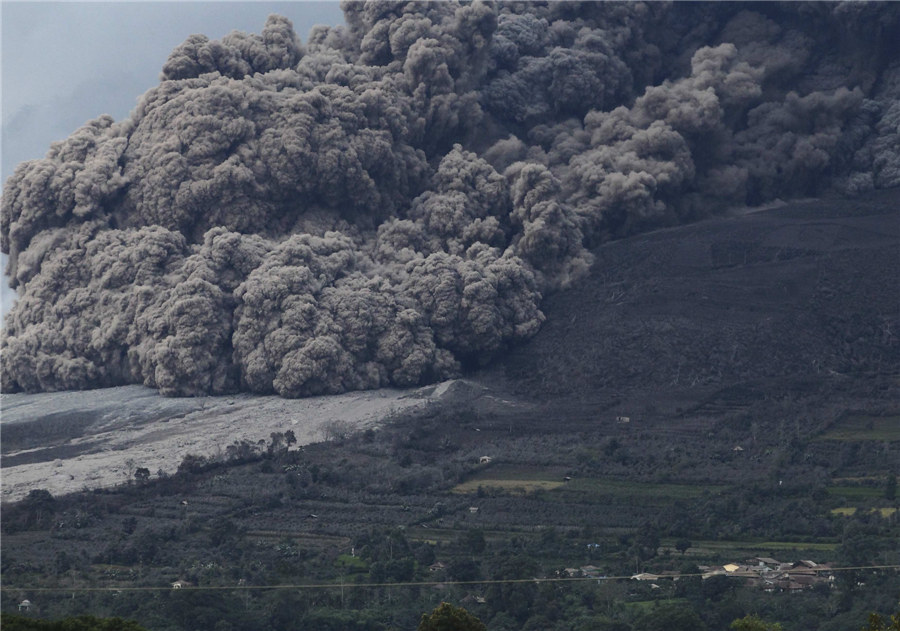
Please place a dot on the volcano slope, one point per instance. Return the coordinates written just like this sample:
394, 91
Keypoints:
722, 313
763, 321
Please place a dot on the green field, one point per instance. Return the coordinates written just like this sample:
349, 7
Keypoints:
866, 479
762, 546
525, 479
855, 492
351, 563
646, 606
596, 486
515, 479
865, 427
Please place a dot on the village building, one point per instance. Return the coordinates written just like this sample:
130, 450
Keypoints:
645, 576
591, 571
773, 575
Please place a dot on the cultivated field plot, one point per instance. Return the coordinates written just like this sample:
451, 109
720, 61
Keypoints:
865, 427
858, 493
524, 479
515, 479
643, 490
751, 548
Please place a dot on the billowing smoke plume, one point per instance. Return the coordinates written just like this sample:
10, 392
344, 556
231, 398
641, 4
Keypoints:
388, 203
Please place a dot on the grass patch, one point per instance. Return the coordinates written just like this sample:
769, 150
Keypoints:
514, 479
646, 606
449, 536
794, 545
351, 563
524, 479
621, 488
865, 427
866, 479
849, 511
764, 546
855, 492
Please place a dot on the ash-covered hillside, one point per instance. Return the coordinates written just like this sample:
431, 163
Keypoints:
389, 202
785, 301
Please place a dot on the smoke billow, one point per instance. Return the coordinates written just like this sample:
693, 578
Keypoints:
388, 204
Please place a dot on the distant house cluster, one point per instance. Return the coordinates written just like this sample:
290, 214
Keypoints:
773, 575
764, 572
585, 571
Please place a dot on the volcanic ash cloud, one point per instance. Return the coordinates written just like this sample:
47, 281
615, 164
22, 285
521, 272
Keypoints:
388, 204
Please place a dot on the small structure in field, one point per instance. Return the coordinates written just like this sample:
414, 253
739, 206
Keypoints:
645, 576
485, 460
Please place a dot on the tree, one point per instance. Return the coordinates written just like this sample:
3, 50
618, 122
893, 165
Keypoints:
242, 451
142, 474
682, 545
39, 505
877, 623
671, 617
464, 570
517, 598
474, 540
890, 487
192, 463
447, 617
752, 622
276, 444
13, 622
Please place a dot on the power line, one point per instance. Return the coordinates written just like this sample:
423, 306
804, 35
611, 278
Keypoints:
311, 586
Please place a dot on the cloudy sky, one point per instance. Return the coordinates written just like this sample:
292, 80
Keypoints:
64, 63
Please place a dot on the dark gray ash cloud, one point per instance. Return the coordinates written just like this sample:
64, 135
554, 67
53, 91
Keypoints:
388, 202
